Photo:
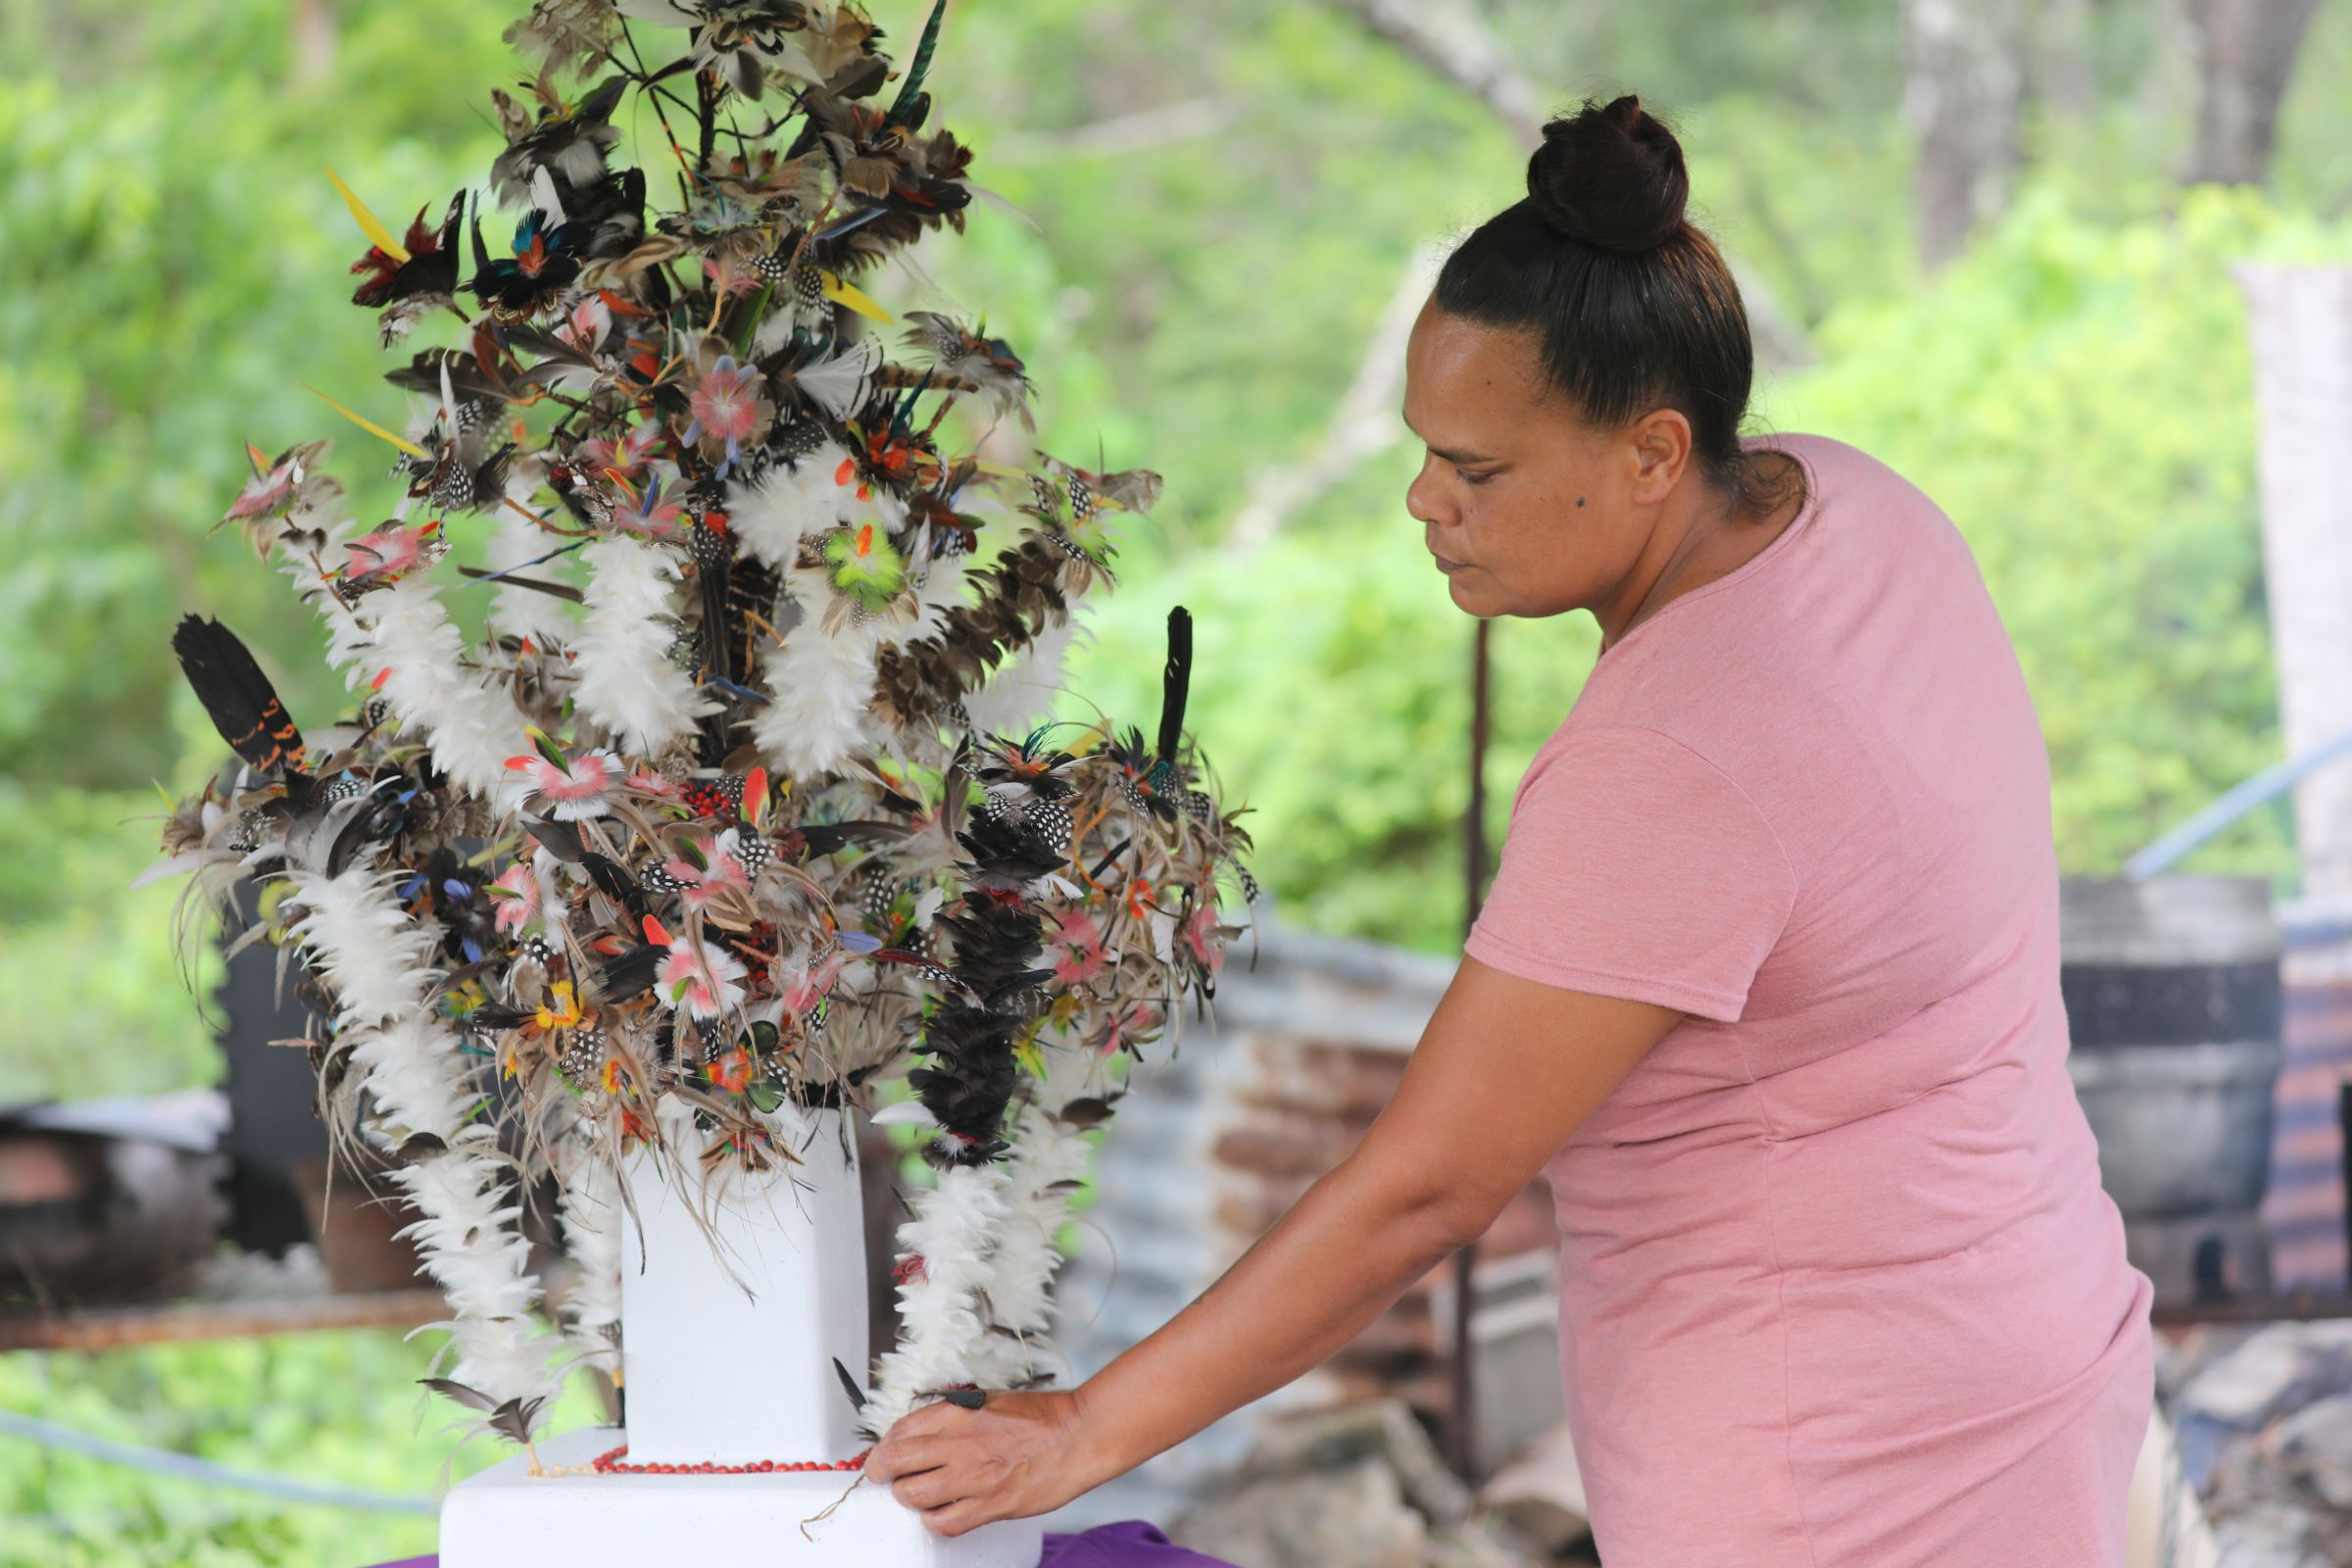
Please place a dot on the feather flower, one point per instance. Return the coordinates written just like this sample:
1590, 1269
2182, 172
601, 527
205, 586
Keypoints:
700, 977
566, 788
516, 890
1076, 949
731, 411
867, 566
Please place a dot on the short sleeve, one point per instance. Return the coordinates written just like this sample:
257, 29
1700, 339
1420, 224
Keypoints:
1633, 867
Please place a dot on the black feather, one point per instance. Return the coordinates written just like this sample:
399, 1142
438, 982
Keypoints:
630, 974
856, 1394
243, 705
614, 883
1176, 682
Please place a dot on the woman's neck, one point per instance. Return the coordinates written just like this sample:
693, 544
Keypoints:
1705, 538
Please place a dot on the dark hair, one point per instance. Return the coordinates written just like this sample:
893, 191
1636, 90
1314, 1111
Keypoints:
1633, 305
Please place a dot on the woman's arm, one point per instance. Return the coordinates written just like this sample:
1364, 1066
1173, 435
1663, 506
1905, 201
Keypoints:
1504, 1072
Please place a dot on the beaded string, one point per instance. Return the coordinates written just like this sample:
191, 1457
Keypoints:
609, 1463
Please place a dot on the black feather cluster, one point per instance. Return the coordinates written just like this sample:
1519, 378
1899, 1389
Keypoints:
997, 936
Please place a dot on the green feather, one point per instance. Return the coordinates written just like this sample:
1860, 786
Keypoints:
920, 67
872, 576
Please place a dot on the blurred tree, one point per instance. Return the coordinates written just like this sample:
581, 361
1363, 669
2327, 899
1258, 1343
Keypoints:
2244, 55
1963, 98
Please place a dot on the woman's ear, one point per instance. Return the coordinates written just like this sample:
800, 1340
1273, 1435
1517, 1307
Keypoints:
1662, 447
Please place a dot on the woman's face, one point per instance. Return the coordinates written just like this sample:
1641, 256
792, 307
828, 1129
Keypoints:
1528, 510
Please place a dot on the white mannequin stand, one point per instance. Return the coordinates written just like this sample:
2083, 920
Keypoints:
713, 1373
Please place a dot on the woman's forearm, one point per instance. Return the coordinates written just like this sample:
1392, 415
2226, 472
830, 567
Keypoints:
1329, 1267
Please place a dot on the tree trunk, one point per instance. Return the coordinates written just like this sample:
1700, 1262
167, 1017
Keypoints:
1452, 40
2063, 80
2300, 320
2243, 52
1963, 96
315, 36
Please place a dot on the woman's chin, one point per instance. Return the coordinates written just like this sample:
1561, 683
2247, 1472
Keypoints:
1469, 596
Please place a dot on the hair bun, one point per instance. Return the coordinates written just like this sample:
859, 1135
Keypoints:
1611, 176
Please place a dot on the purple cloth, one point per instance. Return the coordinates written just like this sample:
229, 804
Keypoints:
1129, 1543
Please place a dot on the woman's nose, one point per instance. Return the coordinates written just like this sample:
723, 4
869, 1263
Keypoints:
1422, 499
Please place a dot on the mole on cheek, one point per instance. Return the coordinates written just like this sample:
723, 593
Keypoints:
1579, 501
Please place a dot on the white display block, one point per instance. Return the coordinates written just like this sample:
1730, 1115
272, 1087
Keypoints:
731, 1362
730, 1357
507, 1518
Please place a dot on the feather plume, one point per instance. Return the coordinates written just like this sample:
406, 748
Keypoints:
471, 726
795, 501
378, 962
516, 544
1043, 1171
626, 682
485, 873
943, 1247
819, 688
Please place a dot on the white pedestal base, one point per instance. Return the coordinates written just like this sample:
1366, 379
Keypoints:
507, 1518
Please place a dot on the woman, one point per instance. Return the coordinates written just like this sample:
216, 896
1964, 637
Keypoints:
1767, 984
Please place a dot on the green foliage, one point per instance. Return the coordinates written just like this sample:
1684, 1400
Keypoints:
331, 1409
1296, 647
91, 999
2077, 394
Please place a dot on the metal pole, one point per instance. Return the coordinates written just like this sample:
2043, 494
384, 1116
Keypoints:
2343, 1126
1461, 1426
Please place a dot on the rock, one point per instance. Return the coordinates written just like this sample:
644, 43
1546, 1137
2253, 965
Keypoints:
2179, 1362
1382, 1429
1354, 1514
1540, 1494
1473, 1546
2316, 1443
2280, 1367
1361, 1486
2256, 1381
2268, 1536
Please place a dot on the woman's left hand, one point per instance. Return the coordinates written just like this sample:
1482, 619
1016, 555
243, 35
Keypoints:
1020, 1453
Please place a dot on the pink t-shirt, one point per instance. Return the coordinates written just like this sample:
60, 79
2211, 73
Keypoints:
1840, 1288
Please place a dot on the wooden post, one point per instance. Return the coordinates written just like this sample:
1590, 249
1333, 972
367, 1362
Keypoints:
1461, 1436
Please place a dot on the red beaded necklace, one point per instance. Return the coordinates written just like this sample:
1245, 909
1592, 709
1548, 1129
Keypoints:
609, 1463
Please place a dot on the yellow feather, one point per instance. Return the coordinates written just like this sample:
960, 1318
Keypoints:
370, 225
368, 426
849, 294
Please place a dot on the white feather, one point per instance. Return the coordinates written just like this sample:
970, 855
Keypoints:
544, 619
626, 683
544, 197
473, 726
820, 688
591, 1215
1021, 692
376, 958
792, 502
1047, 1152
377, 961
951, 1228
841, 383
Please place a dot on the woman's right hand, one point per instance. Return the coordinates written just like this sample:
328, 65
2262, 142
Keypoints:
1018, 1455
